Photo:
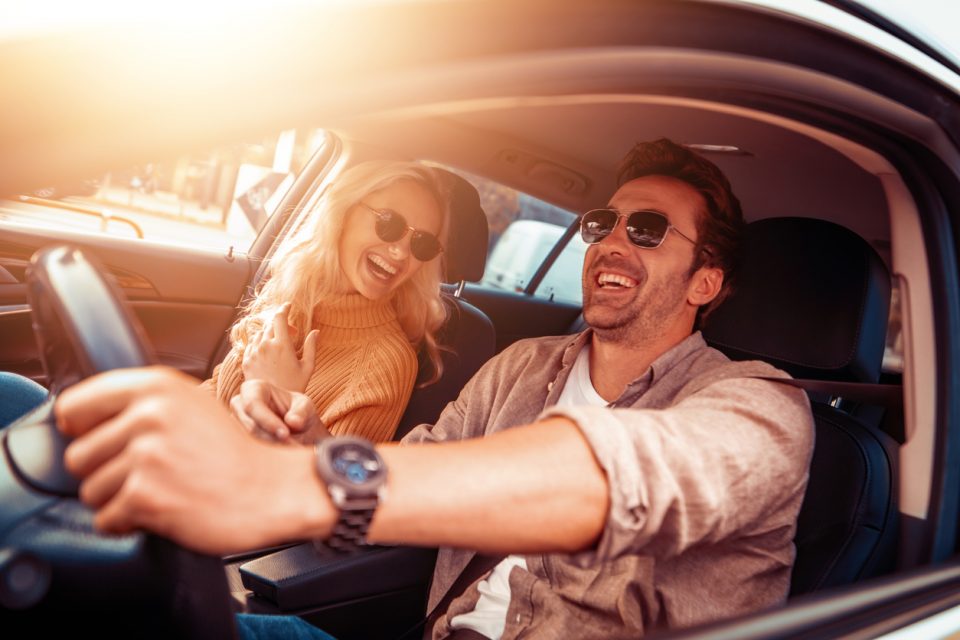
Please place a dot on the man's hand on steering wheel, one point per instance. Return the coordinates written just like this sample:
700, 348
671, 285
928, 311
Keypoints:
153, 452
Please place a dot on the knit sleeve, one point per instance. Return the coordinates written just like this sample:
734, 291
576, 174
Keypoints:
226, 379
210, 384
378, 391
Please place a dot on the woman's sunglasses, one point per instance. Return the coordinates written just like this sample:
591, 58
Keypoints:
391, 227
646, 229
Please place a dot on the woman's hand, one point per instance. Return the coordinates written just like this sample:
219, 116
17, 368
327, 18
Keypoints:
271, 355
270, 412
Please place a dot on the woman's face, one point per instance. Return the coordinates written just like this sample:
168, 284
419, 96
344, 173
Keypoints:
373, 267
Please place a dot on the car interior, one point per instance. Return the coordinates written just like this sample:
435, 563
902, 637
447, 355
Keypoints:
845, 258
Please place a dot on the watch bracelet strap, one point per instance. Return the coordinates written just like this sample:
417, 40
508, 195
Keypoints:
350, 532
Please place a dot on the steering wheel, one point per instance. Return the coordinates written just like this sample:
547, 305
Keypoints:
55, 568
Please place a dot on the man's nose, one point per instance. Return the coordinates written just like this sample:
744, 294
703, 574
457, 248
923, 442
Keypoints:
618, 241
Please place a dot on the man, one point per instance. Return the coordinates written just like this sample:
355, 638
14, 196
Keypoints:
639, 478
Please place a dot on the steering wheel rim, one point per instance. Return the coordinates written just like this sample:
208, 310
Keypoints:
81, 320
136, 581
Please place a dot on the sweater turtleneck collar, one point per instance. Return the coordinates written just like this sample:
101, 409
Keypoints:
354, 311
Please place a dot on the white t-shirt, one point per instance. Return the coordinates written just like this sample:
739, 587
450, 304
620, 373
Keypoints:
490, 615
578, 390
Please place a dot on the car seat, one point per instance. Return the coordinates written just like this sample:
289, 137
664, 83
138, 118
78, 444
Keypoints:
813, 299
468, 338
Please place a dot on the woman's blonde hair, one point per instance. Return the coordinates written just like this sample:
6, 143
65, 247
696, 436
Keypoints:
308, 271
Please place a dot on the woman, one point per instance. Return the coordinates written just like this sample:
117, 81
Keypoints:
346, 307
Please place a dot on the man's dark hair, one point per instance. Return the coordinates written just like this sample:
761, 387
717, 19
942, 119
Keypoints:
719, 229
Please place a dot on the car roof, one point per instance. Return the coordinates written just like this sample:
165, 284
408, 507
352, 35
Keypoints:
888, 26
543, 97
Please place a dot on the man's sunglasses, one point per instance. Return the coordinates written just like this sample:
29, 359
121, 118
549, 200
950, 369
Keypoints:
391, 227
646, 229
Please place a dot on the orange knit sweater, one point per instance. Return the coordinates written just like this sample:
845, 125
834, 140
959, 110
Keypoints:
363, 374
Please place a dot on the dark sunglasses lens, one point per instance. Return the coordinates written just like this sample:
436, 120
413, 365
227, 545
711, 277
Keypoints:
390, 226
647, 228
597, 225
424, 246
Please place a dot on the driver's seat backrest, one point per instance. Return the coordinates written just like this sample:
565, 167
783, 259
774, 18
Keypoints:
813, 299
468, 337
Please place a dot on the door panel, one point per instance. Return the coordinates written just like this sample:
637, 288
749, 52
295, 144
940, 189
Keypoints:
185, 336
18, 349
185, 298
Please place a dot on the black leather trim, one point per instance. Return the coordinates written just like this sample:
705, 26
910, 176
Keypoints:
812, 299
847, 529
468, 340
465, 255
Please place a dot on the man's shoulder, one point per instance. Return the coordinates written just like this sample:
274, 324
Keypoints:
713, 366
527, 357
715, 363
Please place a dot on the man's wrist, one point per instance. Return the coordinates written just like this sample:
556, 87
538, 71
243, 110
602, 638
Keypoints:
313, 511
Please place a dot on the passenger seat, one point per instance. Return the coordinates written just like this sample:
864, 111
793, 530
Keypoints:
468, 338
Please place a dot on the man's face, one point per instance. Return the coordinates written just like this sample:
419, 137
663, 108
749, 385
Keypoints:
634, 294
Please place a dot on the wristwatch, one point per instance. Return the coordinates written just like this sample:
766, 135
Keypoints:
355, 476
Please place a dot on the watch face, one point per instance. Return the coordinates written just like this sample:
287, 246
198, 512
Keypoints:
355, 464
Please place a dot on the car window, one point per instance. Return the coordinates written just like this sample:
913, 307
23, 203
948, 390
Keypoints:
893, 349
523, 230
217, 199
562, 281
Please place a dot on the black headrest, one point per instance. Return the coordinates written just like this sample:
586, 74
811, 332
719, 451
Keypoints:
812, 299
466, 252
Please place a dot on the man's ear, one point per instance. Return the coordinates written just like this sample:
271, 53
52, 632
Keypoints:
705, 285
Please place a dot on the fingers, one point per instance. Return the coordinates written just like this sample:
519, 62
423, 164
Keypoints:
305, 425
92, 401
280, 324
115, 517
257, 408
258, 337
309, 358
103, 485
238, 412
124, 510
267, 421
85, 455
302, 414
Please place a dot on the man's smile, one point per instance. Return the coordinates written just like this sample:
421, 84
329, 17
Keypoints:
608, 280
612, 275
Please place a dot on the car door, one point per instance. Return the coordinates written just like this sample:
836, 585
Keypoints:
184, 294
921, 602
